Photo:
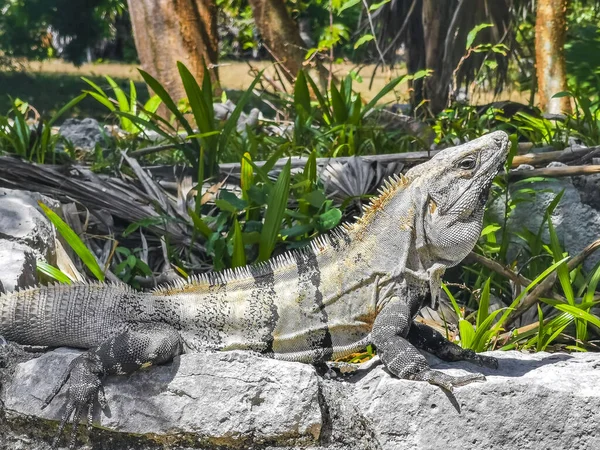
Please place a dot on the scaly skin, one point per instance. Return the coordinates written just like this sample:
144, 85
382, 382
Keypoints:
362, 284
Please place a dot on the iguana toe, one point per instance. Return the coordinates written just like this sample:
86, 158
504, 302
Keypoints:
83, 389
445, 381
487, 361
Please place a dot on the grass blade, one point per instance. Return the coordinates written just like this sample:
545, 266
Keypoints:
301, 94
238, 259
387, 88
159, 90
74, 241
52, 272
276, 206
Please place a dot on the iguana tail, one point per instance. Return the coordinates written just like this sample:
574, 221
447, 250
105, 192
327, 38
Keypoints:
80, 315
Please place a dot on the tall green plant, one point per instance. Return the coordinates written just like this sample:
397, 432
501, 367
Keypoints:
31, 138
123, 103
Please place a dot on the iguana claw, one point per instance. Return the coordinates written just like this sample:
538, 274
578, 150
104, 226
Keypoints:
446, 381
476, 358
486, 361
83, 375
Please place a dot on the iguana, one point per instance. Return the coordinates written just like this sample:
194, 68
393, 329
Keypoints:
362, 284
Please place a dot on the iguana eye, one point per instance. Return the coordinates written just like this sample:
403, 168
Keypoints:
467, 164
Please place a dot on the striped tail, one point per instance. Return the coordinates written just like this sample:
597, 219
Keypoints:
79, 315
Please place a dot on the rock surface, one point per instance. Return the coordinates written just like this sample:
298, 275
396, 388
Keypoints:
84, 134
26, 235
575, 218
237, 400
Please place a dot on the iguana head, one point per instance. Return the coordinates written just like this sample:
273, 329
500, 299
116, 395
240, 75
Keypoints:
452, 189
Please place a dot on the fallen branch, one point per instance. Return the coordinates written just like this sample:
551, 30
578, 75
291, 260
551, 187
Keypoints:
498, 268
554, 172
541, 159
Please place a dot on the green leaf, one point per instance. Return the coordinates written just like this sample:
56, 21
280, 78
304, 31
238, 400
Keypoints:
232, 120
363, 39
484, 332
490, 229
296, 230
562, 270
376, 6
207, 91
143, 267
160, 91
315, 198
152, 104
275, 210
203, 116
529, 287
238, 259
52, 272
452, 300
329, 220
493, 65
579, 313
122, 101
246, 175
387, 88
467, 333
473, 33
301, 94
484, 303
340, 112
103, 100
233, 199
95, 86
132, 98
310, 169
563, 94
592, 284
348, 4
74, 242
200, 224
65, 108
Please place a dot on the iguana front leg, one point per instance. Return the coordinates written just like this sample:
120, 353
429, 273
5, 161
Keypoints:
389, 334
428, 339
141, 346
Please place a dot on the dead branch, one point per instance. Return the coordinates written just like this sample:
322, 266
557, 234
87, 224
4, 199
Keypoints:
554, 172
542, 159
498, 268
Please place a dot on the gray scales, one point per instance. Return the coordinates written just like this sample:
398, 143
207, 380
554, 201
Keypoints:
362, 284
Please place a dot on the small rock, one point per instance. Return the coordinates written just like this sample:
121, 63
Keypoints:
84, 134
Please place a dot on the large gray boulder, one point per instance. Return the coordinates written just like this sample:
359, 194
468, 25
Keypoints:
238, 400
575, 218
26, 235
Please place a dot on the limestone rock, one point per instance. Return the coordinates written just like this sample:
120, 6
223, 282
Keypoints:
229, 399
238, 400
577, 224
533, 401
25, 236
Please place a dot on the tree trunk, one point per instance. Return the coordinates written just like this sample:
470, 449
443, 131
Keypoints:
280, 34
436, 16
167, 31
550, 35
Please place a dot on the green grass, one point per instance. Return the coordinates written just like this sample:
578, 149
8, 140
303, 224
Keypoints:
48, 92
